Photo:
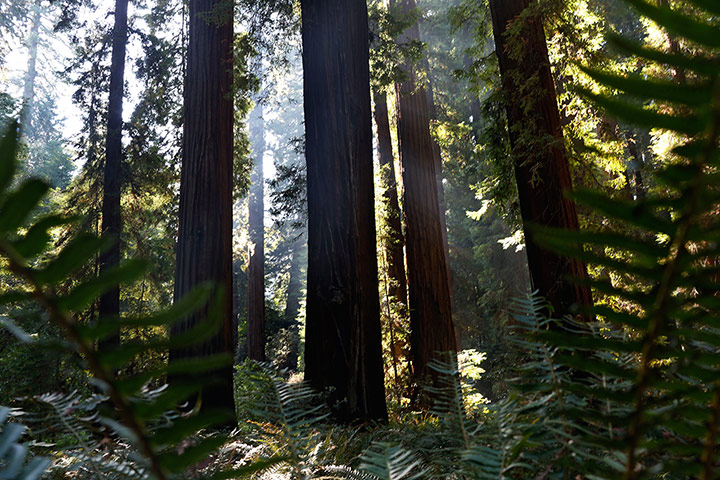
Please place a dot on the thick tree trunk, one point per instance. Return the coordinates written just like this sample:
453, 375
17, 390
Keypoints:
26, 114
111, 220
342, 348
256, 269
394, 243
542, 172
437, 156
432, 330
204, 246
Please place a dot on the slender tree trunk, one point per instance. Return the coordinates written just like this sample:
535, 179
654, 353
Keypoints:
542, 174
26, 114
394, 243
431, 323
204, 246
342, 348
111, 219
256, 269
292, 305
635, 167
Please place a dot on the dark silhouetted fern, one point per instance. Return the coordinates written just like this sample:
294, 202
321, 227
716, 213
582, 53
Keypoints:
139, 419
14, 464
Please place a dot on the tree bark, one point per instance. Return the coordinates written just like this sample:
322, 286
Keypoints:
256, 269
343, 340
394, 243
28, 99
204, 246
431, 323
437, 156
109, 307
541, 165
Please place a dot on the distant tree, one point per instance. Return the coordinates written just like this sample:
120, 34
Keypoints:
541, 165
112, 185
431, 323
294, 292
393, 239
256, 268
288, 195
342, 347
31, 75
204, 246
45, 155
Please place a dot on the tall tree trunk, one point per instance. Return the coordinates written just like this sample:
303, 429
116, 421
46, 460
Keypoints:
204, 246
431, 322
26, 114
342, 348
256, 269
394, 243
292, 305
542, 174
678, 74
111, 220
437, 157
394, 246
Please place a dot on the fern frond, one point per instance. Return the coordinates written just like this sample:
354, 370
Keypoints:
649, 373
13, 454
390, 462
288, 416
141, 419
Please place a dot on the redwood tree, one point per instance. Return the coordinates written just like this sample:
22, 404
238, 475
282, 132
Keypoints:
394, 243
541, 164
342, 347
111, 219
204, 246
292, 304
431, 322
256, 269
31, 75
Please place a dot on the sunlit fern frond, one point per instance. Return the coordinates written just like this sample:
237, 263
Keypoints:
391, 462
288, 416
